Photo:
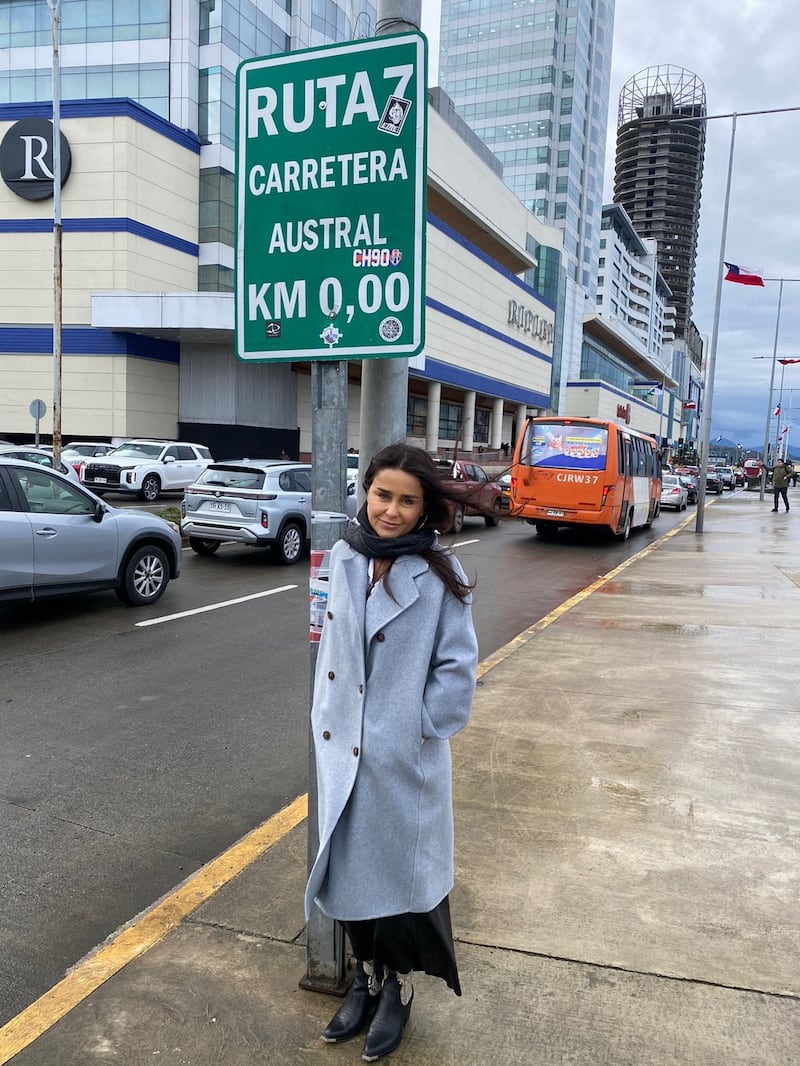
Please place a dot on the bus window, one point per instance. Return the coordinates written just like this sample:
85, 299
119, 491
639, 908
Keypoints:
568, 447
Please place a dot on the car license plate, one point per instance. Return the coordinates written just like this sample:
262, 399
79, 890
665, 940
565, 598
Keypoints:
556, 514
100, 480
219, 507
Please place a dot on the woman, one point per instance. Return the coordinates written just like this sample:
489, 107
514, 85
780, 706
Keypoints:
395, 679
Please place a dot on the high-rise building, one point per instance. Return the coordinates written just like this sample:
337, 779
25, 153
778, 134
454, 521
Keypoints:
659, 171
532, 78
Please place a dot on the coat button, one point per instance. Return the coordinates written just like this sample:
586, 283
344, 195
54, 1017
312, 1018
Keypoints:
360, 689
355, 751
331, 675
326, 735
330, 614
380, 637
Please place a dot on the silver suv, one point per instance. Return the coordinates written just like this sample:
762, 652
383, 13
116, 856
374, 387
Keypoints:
146, 468
59, 539
259, 502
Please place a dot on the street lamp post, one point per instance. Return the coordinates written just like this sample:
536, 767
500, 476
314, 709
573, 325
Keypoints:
712, 354
772, 382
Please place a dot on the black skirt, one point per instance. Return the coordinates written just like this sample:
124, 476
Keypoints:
405, 942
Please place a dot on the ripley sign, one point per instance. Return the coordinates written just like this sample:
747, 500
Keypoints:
26, 158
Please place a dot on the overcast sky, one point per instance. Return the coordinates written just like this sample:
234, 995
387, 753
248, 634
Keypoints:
747, 55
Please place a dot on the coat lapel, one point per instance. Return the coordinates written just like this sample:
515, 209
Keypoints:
404, 592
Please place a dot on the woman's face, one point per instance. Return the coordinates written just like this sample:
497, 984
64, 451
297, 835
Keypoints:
395, 503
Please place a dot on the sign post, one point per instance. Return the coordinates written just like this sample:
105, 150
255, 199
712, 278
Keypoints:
330, 202
331, 177
38, 409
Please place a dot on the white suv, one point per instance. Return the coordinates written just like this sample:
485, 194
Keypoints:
146, 468
259, 502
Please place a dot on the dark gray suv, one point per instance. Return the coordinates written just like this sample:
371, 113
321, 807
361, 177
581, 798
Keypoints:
264, 503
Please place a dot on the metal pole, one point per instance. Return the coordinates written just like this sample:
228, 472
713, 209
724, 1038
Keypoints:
325, 954
55, 14
384, 382
712, 355
771, 389
779, 414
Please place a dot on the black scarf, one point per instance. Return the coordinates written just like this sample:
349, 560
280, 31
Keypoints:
360, 535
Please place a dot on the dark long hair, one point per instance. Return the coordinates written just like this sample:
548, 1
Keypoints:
436, 513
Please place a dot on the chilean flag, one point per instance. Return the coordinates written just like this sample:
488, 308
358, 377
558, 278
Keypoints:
743, 276
777, 411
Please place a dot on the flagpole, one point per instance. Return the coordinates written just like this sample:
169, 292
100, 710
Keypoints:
712, 354
771, 388
780, 412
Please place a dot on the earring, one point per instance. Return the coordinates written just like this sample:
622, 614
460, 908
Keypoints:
423, 518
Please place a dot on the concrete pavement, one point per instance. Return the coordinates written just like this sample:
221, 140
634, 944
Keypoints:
627, 801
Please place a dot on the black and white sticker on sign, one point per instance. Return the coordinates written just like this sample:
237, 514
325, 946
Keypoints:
394, 115
26, 158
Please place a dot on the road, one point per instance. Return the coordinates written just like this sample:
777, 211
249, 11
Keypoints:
137, 745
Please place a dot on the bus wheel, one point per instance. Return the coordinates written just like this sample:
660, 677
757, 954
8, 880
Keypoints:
547, 530
625, 532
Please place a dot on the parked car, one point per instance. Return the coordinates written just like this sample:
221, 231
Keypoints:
264, 503
480, 494
690, 484
714, 481
146, 468
504, 481
59, 539
42, 456
728, 477
739, 474
77, 452
673, 492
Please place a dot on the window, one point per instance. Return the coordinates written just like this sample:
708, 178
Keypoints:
46, 494
450, 417
416, 416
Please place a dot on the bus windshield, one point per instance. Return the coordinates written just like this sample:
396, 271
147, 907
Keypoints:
567, 447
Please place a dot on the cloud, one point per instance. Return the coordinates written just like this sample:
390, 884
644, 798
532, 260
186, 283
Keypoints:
746, 58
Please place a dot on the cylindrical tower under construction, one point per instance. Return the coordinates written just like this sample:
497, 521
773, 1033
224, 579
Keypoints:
659, 169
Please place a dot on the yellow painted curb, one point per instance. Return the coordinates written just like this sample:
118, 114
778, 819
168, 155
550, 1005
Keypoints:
145, 932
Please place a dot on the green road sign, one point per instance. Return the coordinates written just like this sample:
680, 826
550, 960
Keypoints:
330, 201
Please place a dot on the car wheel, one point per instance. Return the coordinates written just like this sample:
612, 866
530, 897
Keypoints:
493, 519
203, 547
546, 530
151, 488
457, 523
289, 546
145, 577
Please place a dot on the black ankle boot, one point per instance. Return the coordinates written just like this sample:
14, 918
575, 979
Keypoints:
386, 1029
355, 1012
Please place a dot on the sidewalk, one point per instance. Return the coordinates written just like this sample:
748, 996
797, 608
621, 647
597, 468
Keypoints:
628, 850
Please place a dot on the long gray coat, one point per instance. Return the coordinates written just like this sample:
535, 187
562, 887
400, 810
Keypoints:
395, 678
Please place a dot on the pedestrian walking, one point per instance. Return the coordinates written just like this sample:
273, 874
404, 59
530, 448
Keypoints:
780, 482
394, 681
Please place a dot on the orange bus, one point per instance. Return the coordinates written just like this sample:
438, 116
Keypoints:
584, 472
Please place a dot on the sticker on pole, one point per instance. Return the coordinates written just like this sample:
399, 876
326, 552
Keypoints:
331, 202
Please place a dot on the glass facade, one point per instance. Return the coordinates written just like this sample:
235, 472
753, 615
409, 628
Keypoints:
240, 29
532, 78
26, 24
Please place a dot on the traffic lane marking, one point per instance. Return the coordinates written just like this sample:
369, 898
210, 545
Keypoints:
213, 606
461, 543
146, 932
